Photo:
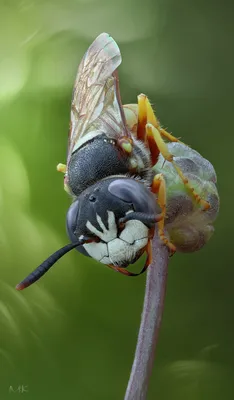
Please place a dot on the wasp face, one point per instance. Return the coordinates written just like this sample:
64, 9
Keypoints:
119, 214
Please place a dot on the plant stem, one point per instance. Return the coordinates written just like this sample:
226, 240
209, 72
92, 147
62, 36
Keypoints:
150, 323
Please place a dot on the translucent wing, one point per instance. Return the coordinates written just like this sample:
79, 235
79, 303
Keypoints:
96, 105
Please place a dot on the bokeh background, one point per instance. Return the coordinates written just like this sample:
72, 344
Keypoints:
73, 334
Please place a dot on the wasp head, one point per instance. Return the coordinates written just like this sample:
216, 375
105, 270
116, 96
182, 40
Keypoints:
119, 214
111, 221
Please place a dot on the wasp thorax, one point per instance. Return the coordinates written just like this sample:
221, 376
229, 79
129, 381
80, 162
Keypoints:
94, 161
101, 157
188, 225
119, 214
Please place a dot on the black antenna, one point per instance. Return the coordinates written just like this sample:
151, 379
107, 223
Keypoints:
47, 264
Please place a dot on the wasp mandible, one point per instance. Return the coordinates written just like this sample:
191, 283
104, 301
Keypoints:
118, 189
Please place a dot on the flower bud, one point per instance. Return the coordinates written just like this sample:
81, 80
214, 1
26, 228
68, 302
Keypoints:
189, 227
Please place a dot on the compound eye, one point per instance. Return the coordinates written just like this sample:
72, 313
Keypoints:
135, 193
72, 216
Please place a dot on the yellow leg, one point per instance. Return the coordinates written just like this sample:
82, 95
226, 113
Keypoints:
61, 168
168, 135
142, 117
204, 204
159, 187
157, 145
152, 132
146, 114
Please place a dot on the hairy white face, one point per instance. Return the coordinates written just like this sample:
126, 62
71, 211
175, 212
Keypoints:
113, 249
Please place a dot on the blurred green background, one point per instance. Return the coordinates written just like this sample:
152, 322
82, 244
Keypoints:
73, 334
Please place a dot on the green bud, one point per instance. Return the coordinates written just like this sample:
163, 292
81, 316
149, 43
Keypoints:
188, 226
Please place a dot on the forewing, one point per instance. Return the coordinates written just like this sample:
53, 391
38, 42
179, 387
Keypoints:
96, 104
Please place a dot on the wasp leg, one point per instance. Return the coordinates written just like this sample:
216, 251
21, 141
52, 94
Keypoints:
142, 117
169, 136
159, 187
148, 261
204, 204
146, 114
121, 270
154, 134
152, 119
141, 128
144, 218
61, 168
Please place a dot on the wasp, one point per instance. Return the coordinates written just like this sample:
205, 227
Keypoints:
118, 197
